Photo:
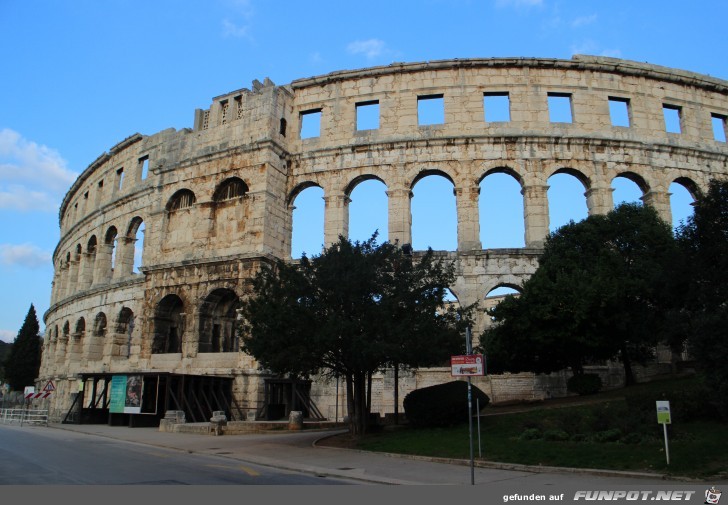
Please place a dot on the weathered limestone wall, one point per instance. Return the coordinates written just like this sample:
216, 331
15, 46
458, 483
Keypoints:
208, 205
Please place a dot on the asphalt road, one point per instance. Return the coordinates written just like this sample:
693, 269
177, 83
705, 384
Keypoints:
41, 456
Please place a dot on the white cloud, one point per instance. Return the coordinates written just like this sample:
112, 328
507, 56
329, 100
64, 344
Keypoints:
27, 255
230, 29
32, 176
518, 3
589, 47
583, 21
370, 48
8, 336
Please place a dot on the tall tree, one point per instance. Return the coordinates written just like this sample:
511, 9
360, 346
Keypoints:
704, 241
598, 294
23, 362
353, 310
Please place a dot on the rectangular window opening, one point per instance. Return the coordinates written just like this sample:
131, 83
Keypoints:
120, 177
367, 115
430, 110
311, 124
619, 111
85, 195
224, 108
720, 123
144, 162
672, 115
497, 107
560, 108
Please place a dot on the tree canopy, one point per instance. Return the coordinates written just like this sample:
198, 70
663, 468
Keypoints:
703, 240
598, 293
23, 362
353, 310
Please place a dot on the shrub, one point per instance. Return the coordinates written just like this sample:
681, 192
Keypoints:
584, 384
612, 435
555, 435
441, 405
529, 434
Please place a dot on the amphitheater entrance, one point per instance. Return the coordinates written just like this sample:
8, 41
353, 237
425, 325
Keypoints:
218, 314
282, 396
168, 325
138, 399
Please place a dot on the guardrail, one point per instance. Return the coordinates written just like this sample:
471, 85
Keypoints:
24, 416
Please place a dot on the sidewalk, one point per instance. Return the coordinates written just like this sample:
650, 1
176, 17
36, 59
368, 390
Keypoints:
297, 451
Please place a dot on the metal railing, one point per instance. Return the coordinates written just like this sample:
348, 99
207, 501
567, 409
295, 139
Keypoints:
24, 416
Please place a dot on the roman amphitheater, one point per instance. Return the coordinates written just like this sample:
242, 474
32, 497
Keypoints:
205, 206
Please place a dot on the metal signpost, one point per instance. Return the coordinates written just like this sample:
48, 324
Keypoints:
467, 366
663, 418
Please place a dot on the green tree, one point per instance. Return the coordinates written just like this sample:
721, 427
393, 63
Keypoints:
598, 294
353, 310
23, 362
704, 241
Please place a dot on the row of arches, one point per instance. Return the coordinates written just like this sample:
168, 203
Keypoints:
501, 205
116, 256
77, 342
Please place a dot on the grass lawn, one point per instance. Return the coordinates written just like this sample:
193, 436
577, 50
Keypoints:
614, 434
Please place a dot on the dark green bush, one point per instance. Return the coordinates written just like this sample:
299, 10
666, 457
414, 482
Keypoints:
442, 405
584, 384
530, 434
555, 435
612, 435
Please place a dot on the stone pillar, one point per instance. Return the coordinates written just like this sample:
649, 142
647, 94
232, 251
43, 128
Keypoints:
400, 216
63, 287
60, 353
599, 200
102, 269
468, 218
72, 286
124, 257
535, 214
660, 201
336, 218
87, 270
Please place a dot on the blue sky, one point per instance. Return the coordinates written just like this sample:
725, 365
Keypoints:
79, 76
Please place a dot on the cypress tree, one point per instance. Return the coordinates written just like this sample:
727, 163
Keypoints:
23, 362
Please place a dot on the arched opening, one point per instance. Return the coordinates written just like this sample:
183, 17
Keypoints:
80, 329
500, 207
218, 314
567, 201
136, 233
111, 240
91, 248
124, 329
230, 189
182, 199
179, 219
683, 193
434, 212
168, 325
496, 295
628, 188
368, 210
307, 234
96, 343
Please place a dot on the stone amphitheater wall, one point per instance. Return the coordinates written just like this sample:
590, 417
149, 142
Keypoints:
216, 200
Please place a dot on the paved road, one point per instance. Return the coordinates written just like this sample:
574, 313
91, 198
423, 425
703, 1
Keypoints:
44, 456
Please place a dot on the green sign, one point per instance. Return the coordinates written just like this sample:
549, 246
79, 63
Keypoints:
118, 394
663, 412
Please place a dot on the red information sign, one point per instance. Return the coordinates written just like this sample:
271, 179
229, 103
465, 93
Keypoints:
463, 366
